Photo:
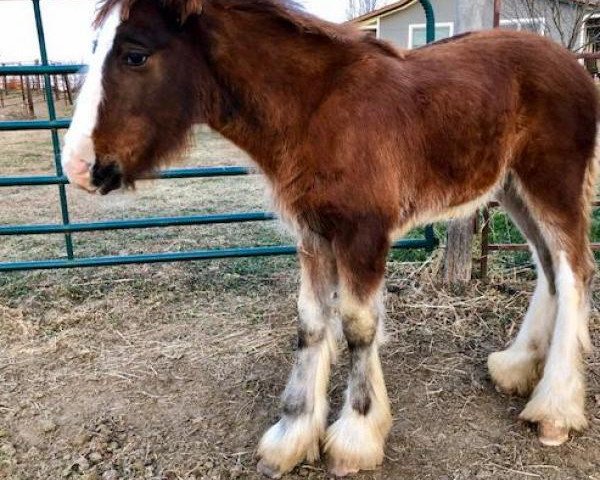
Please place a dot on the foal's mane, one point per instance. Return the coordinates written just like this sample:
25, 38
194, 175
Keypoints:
285, 9
288, 12
291, 13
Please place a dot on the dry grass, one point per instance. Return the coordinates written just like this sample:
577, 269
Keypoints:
173, 371
180, 366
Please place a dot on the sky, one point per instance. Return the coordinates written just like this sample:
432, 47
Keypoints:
67, 26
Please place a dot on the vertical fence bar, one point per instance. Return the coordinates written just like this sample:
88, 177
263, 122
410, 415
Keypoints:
54, 132
429, 20
430, 37
485, 244
430, 238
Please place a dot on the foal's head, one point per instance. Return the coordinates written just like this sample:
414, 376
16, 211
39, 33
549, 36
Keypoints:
139, 101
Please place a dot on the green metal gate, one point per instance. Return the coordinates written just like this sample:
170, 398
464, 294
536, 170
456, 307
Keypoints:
68, 228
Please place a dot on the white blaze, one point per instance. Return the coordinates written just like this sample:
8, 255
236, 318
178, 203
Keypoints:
78, 152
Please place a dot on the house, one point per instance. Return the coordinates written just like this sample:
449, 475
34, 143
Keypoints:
573, 23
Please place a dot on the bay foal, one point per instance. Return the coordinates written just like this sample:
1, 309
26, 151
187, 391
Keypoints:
361, 142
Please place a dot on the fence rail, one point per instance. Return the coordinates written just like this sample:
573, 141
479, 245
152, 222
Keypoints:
487, 246
9, 70
68, 228
588, 56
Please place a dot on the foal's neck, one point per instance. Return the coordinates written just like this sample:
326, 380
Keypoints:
271, 70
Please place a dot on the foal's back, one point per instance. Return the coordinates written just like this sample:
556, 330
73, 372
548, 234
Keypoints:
473, 109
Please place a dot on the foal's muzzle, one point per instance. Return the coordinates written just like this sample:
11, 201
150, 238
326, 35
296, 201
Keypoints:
106, 177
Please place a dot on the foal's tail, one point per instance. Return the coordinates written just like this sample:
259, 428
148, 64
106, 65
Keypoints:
588, 199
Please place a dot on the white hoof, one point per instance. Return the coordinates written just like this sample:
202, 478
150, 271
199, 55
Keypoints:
287, 443
355, 442
557, 411
551, 435
515, 371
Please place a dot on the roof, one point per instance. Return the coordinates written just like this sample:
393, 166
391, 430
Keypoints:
405, 3
382, 11
588, 3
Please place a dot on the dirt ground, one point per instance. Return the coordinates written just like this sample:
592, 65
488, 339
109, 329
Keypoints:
174, 371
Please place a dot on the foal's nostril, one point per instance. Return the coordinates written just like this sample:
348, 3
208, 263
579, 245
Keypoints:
106, 177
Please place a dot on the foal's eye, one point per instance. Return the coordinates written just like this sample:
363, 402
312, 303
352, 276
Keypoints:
136, 59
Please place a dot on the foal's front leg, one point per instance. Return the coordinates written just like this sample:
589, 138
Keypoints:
297, 435
356, 440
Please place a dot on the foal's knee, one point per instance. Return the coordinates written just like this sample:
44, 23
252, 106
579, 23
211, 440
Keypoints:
360, 329
359, 323
312, 319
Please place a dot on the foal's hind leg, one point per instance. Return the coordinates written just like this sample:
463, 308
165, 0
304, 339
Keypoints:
356, 440
297, 435
518, 368
558, 401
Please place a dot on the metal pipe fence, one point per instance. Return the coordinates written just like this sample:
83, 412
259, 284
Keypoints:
487, 245
67, 228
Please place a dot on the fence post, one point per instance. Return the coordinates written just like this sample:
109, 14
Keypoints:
470, 15
30, 104
23, 95
458, 263
37, 82
54, 80
2, 89
68, 92
62, 193
485, 243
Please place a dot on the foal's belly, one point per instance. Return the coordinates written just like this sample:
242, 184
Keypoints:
441, 198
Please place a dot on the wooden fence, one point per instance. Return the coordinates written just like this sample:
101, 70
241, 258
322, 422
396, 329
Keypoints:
26, 87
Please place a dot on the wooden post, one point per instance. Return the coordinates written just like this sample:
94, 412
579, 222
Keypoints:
37, 84
485, 243
459, 251
5, 80
458, 265
3, 87
30, 105
23, 94
68, 92
56, 87
43, 81
497, 12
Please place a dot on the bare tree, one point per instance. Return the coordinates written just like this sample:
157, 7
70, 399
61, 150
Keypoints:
356, 8
569, 21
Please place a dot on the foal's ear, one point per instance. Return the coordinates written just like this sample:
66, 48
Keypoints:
185, 8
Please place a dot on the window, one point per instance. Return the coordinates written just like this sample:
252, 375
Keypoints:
417, 34
591, 42
371, 27
371, 31
535, 25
